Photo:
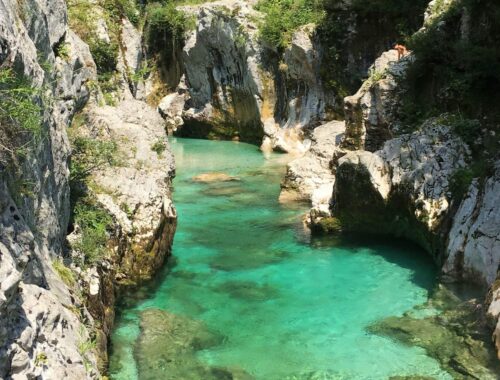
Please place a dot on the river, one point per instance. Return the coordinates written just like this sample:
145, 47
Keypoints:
278, 304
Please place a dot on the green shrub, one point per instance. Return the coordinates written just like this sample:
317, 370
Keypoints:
123, 8
41, 359
460, 182
165, 23
461, 179
89, 155
105, 55
65, 273
94, 223
159, 147
81, 18
20, 115
63, 51
283, 17
454, 73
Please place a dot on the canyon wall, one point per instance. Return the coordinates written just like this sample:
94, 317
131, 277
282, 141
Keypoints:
236, 87
56, 303
389, 179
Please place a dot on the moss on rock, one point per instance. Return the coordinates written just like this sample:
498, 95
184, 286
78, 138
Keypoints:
454, 334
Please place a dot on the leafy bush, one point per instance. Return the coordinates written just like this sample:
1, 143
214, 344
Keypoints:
453, 72
94, 223
89, 155
63, 50
105, 55
20, 114
159, 147
64, 272
283, 17
81, 18
164, 23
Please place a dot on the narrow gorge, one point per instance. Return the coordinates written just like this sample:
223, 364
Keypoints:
334, 201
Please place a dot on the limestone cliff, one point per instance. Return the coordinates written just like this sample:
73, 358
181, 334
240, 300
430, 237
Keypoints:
56, 307
236, 87
390, 179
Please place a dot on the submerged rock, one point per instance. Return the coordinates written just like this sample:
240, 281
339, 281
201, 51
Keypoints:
214, 177
231, 262
248, 290
454, 334
167, 346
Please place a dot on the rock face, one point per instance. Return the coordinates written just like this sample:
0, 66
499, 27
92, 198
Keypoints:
310, 177
234, 87
474, 241
137, 191
55, 317
402, 189
40, 336
395, 183
369, 113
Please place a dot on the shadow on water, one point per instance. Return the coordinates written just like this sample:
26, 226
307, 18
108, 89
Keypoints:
400, 252
131, 296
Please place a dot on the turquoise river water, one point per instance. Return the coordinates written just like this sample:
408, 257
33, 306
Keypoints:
288, 306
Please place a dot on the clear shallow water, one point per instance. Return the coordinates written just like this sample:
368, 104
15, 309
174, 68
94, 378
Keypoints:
287, 306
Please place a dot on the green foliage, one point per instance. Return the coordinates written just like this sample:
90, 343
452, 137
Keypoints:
378, 25
41, 359
85, 348
94, 223
20, 114
141, 74
460, 182
63, 50
89, 155
456, 73
159, 147
65, 273
105, 55
165, 23
81, 18
283, 17
123, 8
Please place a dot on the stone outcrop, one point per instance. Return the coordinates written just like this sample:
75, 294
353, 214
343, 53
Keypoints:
473, 251
474, 244
136, 191
310, 177
234, 86
402, 189
369, 113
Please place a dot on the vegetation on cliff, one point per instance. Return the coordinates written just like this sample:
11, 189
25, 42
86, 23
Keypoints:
283, 17
456, 73
20, 115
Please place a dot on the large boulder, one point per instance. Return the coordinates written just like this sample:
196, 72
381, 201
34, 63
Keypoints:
403, 189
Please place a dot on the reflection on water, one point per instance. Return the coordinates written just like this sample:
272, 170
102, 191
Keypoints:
280, 306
